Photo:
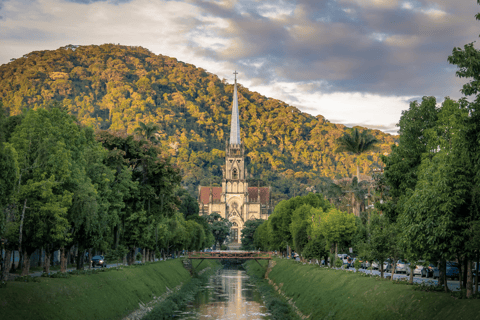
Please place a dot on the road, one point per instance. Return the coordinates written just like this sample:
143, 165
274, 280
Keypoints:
109, 265
453, 285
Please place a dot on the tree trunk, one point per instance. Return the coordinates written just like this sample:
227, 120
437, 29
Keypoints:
26, 263
465, 272
441, 271
21, 227
410, 280
394, 267
7, 265
20, 260
476, 273
46, 262
63, 262
13, 262
80, 259
148, 255
143, 255
381, 270
469, 284
89, 260
460, 273
131, 256
443, 274
358, 173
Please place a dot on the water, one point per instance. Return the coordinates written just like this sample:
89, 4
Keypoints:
227, 295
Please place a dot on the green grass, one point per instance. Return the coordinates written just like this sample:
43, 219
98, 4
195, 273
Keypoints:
329, 294
106, 295
37, 269
277, 305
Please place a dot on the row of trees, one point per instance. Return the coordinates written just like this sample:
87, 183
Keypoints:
432, 207
308, 224
64, 185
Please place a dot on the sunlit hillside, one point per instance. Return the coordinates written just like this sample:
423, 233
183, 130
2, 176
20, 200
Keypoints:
114, 87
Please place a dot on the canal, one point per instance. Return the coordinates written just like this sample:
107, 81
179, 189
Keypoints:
228, 294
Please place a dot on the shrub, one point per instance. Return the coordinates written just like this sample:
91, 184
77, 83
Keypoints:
338, 263
357, 265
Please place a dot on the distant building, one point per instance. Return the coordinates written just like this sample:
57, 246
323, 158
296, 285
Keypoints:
235, 200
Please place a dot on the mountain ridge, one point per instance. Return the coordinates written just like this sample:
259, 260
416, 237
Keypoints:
114, 87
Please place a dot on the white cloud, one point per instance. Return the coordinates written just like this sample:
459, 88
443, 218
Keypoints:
369, 110
434, 13
377, 4
278, 11
407, 5
402, 40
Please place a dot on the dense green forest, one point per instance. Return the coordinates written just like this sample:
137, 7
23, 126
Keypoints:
115, 87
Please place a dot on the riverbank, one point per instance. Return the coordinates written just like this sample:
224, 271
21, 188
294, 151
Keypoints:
112, 294
321, 293
277, 305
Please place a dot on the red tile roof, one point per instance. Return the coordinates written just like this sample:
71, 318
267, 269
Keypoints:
205, 194
254, 192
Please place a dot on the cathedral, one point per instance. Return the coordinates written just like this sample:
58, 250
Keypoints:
235, 200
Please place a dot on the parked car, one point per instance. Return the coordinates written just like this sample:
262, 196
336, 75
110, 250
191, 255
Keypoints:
364, 264
99, 261
417, 270
429, 270
388, 266
451, 272
452, 269
401, 266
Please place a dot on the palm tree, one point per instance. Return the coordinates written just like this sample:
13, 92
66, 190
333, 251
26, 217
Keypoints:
147, 131
357, 143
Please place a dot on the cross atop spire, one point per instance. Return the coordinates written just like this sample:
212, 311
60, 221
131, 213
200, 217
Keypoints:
235, 123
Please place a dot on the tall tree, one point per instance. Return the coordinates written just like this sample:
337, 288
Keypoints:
357, 143
248, 233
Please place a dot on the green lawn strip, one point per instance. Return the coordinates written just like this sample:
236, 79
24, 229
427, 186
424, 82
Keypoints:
106, 295
324, 293
277, 305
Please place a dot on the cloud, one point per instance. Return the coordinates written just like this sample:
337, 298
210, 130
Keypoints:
322, 56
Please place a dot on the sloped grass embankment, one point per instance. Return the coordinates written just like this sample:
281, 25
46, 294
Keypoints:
336, 294
277, 305
105, 295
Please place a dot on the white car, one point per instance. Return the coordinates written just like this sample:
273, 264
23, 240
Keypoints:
417, 271
401, 266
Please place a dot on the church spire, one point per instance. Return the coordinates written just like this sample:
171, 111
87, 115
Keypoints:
235, 123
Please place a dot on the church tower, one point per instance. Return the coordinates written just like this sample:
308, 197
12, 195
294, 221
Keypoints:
235, 200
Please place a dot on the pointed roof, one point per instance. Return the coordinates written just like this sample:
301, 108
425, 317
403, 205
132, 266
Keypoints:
235, 123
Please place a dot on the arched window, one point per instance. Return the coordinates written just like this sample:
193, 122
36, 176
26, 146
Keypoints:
235, 224
234, 174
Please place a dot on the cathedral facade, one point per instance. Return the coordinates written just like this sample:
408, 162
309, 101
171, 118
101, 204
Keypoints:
235, 200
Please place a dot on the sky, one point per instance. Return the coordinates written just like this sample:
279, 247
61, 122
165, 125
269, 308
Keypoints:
355, 62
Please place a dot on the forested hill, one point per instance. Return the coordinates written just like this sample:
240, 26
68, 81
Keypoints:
114, 87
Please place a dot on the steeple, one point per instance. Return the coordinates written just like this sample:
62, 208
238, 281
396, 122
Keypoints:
235, 123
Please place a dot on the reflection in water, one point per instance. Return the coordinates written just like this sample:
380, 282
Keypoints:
227, 295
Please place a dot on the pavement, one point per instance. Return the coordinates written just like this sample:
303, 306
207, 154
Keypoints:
453, 285
109, 265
